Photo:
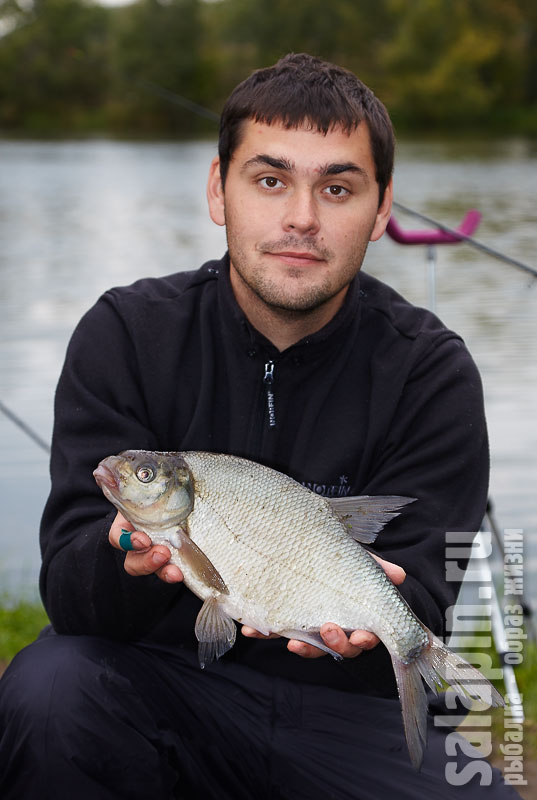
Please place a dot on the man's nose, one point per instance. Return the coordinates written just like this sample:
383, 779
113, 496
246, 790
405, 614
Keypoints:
301, 213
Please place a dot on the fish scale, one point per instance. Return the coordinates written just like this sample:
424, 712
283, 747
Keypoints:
276, 536
260, 548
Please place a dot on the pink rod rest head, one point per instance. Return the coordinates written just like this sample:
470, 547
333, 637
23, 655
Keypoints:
466, 228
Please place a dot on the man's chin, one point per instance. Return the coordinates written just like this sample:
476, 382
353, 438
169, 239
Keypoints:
288, 290
296, 303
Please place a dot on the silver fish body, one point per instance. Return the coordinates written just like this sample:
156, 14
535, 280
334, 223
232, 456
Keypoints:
259, 548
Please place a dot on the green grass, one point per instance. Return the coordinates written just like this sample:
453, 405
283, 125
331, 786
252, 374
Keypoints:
20, 623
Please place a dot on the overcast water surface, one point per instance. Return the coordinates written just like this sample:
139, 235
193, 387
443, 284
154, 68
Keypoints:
79, 217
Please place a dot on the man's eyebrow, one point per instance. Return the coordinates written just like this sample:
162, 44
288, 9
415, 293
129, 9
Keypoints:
262, 159
265, 160
337, 169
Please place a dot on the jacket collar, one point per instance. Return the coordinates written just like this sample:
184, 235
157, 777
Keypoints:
337, 329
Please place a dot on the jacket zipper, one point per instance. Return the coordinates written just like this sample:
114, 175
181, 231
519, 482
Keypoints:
268, 380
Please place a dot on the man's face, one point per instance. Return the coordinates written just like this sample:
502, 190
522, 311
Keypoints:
300, 208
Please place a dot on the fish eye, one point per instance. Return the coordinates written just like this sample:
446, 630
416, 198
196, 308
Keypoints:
145, 473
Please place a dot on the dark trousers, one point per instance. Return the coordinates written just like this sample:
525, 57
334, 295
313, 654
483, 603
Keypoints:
92, 719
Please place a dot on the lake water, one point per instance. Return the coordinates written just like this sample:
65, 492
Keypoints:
79, 217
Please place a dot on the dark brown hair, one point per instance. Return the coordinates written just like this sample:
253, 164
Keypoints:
303, 89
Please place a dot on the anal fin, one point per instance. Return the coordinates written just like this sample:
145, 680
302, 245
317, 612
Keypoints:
311, 637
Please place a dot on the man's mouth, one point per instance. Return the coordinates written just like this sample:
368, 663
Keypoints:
297, 258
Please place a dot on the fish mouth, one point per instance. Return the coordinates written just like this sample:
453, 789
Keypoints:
106, 478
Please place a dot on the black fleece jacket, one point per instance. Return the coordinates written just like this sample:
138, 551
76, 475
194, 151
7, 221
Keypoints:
383, 400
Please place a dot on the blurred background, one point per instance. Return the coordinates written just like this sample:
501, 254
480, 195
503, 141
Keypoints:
107, 128
73, 67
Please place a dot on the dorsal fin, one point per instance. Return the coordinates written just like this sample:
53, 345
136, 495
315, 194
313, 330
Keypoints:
365, 516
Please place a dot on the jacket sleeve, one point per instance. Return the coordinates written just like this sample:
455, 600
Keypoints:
100, 409
436, 451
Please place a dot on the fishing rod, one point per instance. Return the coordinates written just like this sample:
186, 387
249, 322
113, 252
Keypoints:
179, 100
24, 427
459, 235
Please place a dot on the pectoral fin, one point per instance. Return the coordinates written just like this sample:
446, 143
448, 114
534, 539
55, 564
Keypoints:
215, 631
197, 561
365, 516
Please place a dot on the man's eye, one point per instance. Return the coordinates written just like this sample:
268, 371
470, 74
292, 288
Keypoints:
337, 191
270, 182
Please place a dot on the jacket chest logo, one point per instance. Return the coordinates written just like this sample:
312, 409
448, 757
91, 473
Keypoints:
341, 489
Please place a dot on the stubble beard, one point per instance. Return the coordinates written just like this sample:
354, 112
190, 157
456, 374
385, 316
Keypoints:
290, 303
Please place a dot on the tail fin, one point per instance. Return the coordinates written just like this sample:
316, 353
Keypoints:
436, 664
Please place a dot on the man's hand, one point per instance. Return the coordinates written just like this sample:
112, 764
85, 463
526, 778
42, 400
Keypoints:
334, 636
144, 558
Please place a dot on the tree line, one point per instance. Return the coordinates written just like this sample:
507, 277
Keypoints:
73, 67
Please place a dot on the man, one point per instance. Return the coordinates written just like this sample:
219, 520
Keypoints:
368, 395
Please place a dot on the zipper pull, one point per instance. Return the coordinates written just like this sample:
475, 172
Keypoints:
268, 380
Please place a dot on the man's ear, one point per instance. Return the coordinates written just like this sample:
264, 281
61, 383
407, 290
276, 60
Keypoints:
215, 193
383, 213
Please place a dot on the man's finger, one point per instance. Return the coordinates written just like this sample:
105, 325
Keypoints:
394, 572
122, 536
304, 650
147, 562
141, 557
334, 637
365, 640
252, 633
155, 560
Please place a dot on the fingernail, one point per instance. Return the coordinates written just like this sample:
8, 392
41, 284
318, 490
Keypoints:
137, 542
158, 559
171, 577
331, 636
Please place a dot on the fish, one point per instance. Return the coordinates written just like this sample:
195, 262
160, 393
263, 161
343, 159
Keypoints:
261, 549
